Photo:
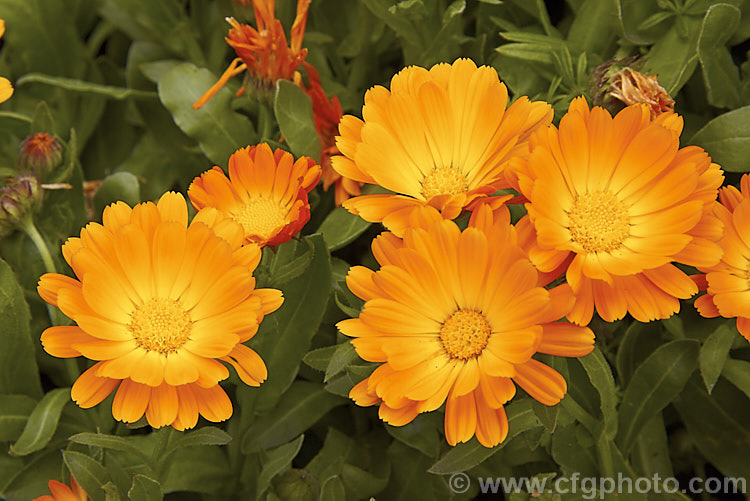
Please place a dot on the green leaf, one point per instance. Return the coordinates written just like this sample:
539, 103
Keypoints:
275, 461
720, 74
737, 372
717, 424
42, 423
89, 473
15, 123
674, 58
330, 459
208, 435
714, 353
467, 455
293, 110
422, 434
547, 414
42, 120
287, 262
410, 479
639, 341
320, 358
76, 85
200, 469
109, 442
340, 228
122, 186
592, 30
333, 490
600, 375
342, 357
14, 412
651, 451
284, 337
145, 489
218, 130
299, 408
18, 370
727, 139
656, 382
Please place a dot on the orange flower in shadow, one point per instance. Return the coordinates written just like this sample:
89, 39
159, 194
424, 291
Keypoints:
266, 192
61, 492
263, 52
327, 115
726, 283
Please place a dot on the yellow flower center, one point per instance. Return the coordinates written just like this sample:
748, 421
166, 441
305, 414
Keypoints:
444, 181
465, 334
260, 216
599, 221
160, 325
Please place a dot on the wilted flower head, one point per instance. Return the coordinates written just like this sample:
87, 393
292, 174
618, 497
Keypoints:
263, 51
39, 153
632, 87
327, 115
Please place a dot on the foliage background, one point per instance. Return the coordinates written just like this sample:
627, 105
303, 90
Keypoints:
114, 81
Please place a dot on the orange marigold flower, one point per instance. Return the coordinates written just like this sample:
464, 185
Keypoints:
61, 492
263, 52
727, 285
456, 317
618, 200
6, 89
632, 87
439, 137
158, 303
266, 193
327, 115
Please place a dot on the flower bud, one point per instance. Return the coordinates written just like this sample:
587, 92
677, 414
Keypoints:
17, 200
616, 84
39, 154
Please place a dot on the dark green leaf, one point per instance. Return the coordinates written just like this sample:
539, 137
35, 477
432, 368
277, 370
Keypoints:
342, 357
737, 372
320, 358
145, 489
720, 75
89, 473
118, 186
655, 384
15, 123
333, 489
330, 459
547, 414
422, 434
109, 442
218, 130
717, 423
18, 369
42, 423
299, 408
674, 58
200, 469
600, 375
42, 120
340, 228
14, 412
714, 353
592, 30
727, 139
76, 85
467, 455
275, 461
410, 479
285, 336
293, 109
208, 435
651, 451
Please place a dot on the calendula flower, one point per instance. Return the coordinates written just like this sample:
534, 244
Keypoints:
618, 200
266, 193
439, 137
632, 87
61, 492
727, 285
263, 52
159, 304
455, 317
6, 89
327, 115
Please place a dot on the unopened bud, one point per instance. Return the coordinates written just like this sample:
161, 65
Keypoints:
17, 200
39, 154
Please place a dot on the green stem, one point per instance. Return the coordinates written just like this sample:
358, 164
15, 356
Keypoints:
71, 365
